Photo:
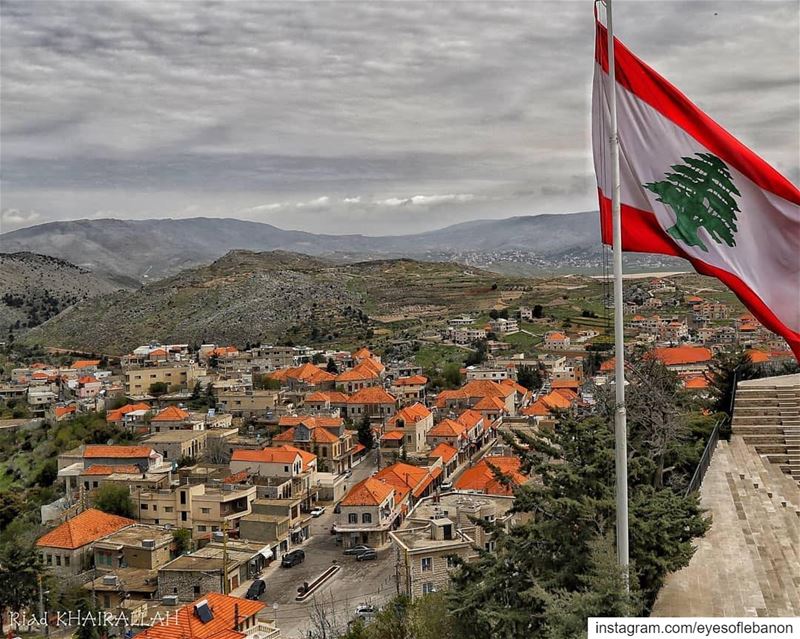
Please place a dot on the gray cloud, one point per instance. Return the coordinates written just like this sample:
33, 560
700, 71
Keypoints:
448, 111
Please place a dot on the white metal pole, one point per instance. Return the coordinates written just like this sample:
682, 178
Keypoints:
620, 419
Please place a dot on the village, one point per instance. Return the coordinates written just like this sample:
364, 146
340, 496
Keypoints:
297, 477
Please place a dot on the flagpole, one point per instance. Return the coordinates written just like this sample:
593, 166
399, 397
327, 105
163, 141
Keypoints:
620, 417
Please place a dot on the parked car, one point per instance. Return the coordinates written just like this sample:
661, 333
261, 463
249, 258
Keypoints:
318, 511
446, 486
293, 558
348, 473
357, 550
256, 589
366, 611
367, 555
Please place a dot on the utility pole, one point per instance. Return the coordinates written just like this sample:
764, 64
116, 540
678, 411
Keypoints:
224, 556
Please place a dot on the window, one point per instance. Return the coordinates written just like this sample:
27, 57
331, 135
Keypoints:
183, 497
196, 590
451, 561
58, 560
352, 518
145, 506
286, 469
184, 516
49, 559
205, 511
155, 506
428, 588
106, 601
366, 518
489, 546
201, 528
168, 509
66, 560
427, 564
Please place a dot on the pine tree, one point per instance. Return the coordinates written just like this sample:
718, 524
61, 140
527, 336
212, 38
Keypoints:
700, 193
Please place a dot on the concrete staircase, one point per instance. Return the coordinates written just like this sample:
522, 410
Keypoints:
748, 565
767, 416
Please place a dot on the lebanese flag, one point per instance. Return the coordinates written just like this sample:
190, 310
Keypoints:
689, 188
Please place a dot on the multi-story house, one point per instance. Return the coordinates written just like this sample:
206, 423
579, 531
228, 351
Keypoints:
367, 514
556, 341
197, 507
242, 402
68, 549
139, 380
439, 530
503, 326
374, 402
413, 422
409, 389
325, 437
175, 445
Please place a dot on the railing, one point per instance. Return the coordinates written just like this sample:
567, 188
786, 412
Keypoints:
705, 459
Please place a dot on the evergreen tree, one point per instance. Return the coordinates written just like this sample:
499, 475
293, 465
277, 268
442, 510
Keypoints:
20, 568
115, 500
365, 434
332, 367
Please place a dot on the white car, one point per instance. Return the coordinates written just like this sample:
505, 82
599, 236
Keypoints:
366, 611
318, 511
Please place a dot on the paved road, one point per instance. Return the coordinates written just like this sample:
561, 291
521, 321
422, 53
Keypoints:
356, 582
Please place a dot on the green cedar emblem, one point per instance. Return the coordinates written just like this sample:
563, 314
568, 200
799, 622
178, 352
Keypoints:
700, 193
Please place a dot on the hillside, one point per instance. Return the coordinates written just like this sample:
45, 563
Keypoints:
38, 287
249, 297
148, 250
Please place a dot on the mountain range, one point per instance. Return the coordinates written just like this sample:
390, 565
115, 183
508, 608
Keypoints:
148, 250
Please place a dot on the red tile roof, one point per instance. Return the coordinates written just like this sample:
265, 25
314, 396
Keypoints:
481, 477
265, 456
414, 380
445, 451
448, 428
118, 413
678, 355
85, 363
469, 418
83, 529
87, 379
406, 476
373, 395
102, 469
410, 414
60, 411
308, 458
393, 435
95, 451
490, 404
369, 492
186, 624
564, 383
696, 382
171, 414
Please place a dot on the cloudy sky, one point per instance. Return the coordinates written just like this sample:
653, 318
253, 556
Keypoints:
370, 117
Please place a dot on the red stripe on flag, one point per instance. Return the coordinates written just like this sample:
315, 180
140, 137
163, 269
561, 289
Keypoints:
641, 233
652, 88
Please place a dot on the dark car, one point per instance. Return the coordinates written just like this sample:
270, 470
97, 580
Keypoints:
367, 555
293, 558
256, 589
357, 550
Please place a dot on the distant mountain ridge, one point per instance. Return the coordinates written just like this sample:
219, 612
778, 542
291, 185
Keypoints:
151, 249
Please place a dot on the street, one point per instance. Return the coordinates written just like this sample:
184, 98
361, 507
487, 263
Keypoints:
356, 583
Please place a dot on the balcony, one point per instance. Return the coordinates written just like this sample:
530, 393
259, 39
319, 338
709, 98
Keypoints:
263, 630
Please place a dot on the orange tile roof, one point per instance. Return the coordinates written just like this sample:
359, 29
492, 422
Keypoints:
567, 393
310, 421
516, 386
265, 456
373, 395
95, 451
608, 365
401, 475
39, 375
87, 379
556, 399
118, 413
445, 451
696, 382
469, 418
322, 436
489, 403
368, 492
445, 395
157, 352
171, 414
481, 477
308, 458
757, 356
448, 428
564, 383
185, 624
329, 397
85, 363
393, 435
362, 353
486, 388
308, 373
693, 299
60, 411
236, 478
556, 337
539, 408
414, 380
677, 355
89, 526
410, 414
285, 436
102, 469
